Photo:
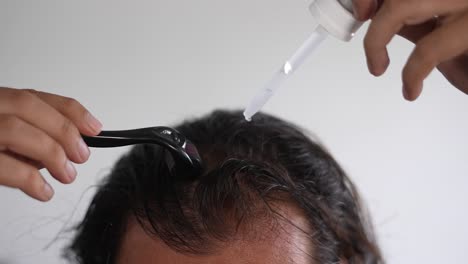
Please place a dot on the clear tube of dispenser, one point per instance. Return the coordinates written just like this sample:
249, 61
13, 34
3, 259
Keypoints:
307, 48
290, 66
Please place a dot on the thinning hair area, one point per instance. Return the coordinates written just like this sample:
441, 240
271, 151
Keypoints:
255, 173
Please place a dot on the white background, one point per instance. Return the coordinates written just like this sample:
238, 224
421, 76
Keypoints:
154, 62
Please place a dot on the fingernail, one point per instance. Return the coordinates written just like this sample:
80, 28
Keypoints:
47, 192
93, 123
71, 171
83, 150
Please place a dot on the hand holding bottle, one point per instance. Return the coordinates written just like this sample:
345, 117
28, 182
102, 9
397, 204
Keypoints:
439, 28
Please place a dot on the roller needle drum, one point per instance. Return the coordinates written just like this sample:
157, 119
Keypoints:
334, 17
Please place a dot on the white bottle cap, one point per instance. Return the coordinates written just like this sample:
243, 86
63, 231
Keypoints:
336, 17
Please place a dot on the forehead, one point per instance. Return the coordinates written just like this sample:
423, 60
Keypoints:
287, 242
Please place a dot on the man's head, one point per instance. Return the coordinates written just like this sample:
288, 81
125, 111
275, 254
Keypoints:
268, 194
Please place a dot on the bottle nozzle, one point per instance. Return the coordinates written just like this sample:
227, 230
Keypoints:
337, 17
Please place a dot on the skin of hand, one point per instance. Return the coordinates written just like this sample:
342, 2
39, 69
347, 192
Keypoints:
41, 130
439, 28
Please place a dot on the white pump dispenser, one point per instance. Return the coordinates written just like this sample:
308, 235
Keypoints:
334, 17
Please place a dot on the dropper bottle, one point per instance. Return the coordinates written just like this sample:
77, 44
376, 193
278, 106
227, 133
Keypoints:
332, 17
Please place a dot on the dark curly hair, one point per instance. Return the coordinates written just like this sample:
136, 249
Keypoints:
248, 167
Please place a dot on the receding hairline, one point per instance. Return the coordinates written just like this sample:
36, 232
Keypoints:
285, 230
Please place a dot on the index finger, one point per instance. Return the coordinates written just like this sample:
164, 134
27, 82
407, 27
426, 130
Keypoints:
384, 26
86, 123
